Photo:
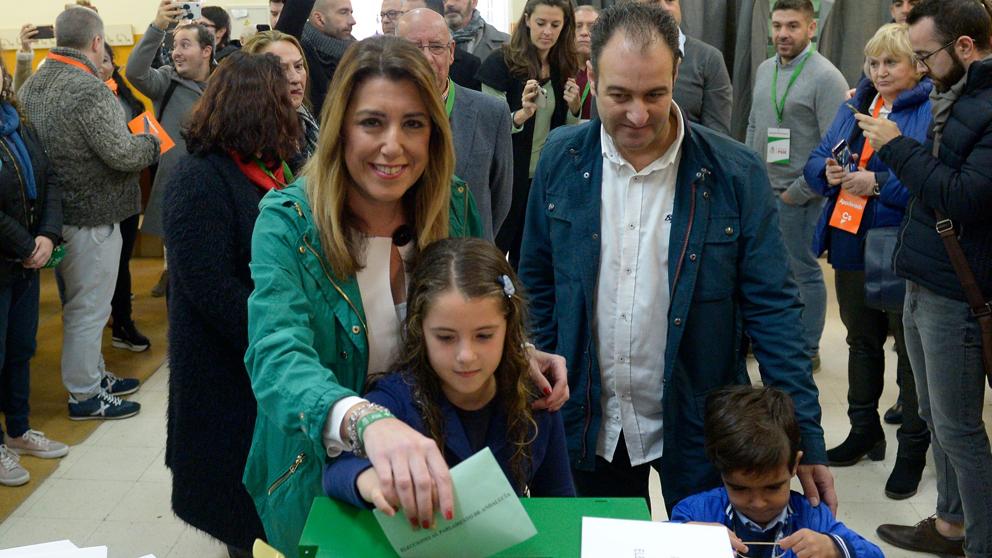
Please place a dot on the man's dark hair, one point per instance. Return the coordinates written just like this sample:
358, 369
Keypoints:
643, 24
77, 27
956, 18
751, 429
246, 110
804, 6
221, 20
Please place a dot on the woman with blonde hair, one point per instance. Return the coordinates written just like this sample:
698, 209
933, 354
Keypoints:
329, 264
894, 90
294, 63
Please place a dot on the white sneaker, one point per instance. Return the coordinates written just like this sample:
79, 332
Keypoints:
11, 472
35, 443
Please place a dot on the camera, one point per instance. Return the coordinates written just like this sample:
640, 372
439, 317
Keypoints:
192, 11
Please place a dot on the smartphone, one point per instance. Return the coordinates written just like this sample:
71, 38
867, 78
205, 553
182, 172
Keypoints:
263, 27
842, 154
853, 108
45, 32
191, 10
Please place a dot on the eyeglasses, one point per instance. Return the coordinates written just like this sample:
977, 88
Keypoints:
391, 14
437, 49
922, 58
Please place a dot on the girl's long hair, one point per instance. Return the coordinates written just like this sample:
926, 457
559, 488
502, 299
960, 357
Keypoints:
328, 179
521, 55
472, 267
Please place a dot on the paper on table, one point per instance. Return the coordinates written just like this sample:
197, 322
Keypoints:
621, 538
487, 513
38, 549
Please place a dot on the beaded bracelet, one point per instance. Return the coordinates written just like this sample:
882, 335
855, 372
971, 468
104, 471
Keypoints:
369, 418
354, 435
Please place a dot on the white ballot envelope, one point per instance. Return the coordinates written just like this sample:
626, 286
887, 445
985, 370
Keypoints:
624, 538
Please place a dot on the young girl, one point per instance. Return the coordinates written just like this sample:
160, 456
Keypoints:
463, 377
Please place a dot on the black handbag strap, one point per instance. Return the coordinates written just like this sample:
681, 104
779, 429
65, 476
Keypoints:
166, 98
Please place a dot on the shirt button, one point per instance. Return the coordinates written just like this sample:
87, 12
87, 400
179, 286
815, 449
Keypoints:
551, 207
461, 189
622, 359
706, 195
585, 175
356, 330
632, 226
678, 321
729, 231
623, 316
692, 257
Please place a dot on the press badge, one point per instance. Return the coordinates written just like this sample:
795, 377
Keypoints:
778, 146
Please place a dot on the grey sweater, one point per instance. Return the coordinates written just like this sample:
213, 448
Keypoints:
92, 153
809, 110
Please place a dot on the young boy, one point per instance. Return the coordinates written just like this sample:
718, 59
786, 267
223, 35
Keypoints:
752, 438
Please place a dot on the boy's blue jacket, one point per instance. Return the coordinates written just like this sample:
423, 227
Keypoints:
714, 507
728, 274
550, 474
911, 112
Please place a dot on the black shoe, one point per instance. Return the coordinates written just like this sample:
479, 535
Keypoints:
894, 414
922, 537
856, 446
160, 288
127, 336
905, 477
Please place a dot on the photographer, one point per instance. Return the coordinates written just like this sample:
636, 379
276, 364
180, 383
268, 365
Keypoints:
173, 89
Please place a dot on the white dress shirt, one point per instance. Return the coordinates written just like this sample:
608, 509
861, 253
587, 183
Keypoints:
633, 298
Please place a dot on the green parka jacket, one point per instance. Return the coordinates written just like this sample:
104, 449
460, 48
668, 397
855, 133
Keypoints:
307, 349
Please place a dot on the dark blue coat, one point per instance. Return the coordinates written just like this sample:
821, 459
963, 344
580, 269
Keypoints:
911, 112
550, 474
728, 274
714, 507
958, 184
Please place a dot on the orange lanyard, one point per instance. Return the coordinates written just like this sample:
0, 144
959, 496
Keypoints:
867, 151
69, 61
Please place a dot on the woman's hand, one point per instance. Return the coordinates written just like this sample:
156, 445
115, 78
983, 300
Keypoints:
43, 247
572, 96
541, 365
835, 172
28, 32
859, 183
806, 543
529, 101
370, 489
168, 13
411, 471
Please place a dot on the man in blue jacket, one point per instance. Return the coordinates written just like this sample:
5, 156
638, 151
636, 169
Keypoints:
651, 245
950, 183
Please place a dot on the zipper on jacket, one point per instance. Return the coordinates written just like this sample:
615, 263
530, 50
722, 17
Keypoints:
289, 472
24, 198
327, 274
902, 233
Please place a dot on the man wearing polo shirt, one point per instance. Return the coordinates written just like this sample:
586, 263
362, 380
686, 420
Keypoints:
480, 123
796, 95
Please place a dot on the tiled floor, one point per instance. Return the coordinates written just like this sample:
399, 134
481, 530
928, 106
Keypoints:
113, 489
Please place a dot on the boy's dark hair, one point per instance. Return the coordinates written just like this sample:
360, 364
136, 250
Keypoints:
804, 6
643, 24
751, 429
956, 18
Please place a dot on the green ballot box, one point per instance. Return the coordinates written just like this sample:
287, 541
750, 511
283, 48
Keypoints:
338, 530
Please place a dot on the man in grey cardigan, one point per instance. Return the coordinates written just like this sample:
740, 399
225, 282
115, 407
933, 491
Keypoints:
469, 31
94, 159
796, 95
480, 123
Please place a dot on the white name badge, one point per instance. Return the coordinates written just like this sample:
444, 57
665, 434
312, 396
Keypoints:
778, 146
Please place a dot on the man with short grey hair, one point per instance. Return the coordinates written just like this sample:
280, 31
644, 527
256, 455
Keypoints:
469, 31
480, 123
94, 160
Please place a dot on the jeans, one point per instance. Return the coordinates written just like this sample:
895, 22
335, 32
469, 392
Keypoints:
89, 271
944, 344
867, 330
120, 303
18, 329
798, 223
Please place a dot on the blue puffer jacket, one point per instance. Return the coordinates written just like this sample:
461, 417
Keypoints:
958, 184
911, 112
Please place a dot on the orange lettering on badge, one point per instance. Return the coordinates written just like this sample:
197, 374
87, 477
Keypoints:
848, 212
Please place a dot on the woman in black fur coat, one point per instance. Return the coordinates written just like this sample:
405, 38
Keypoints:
239, 135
